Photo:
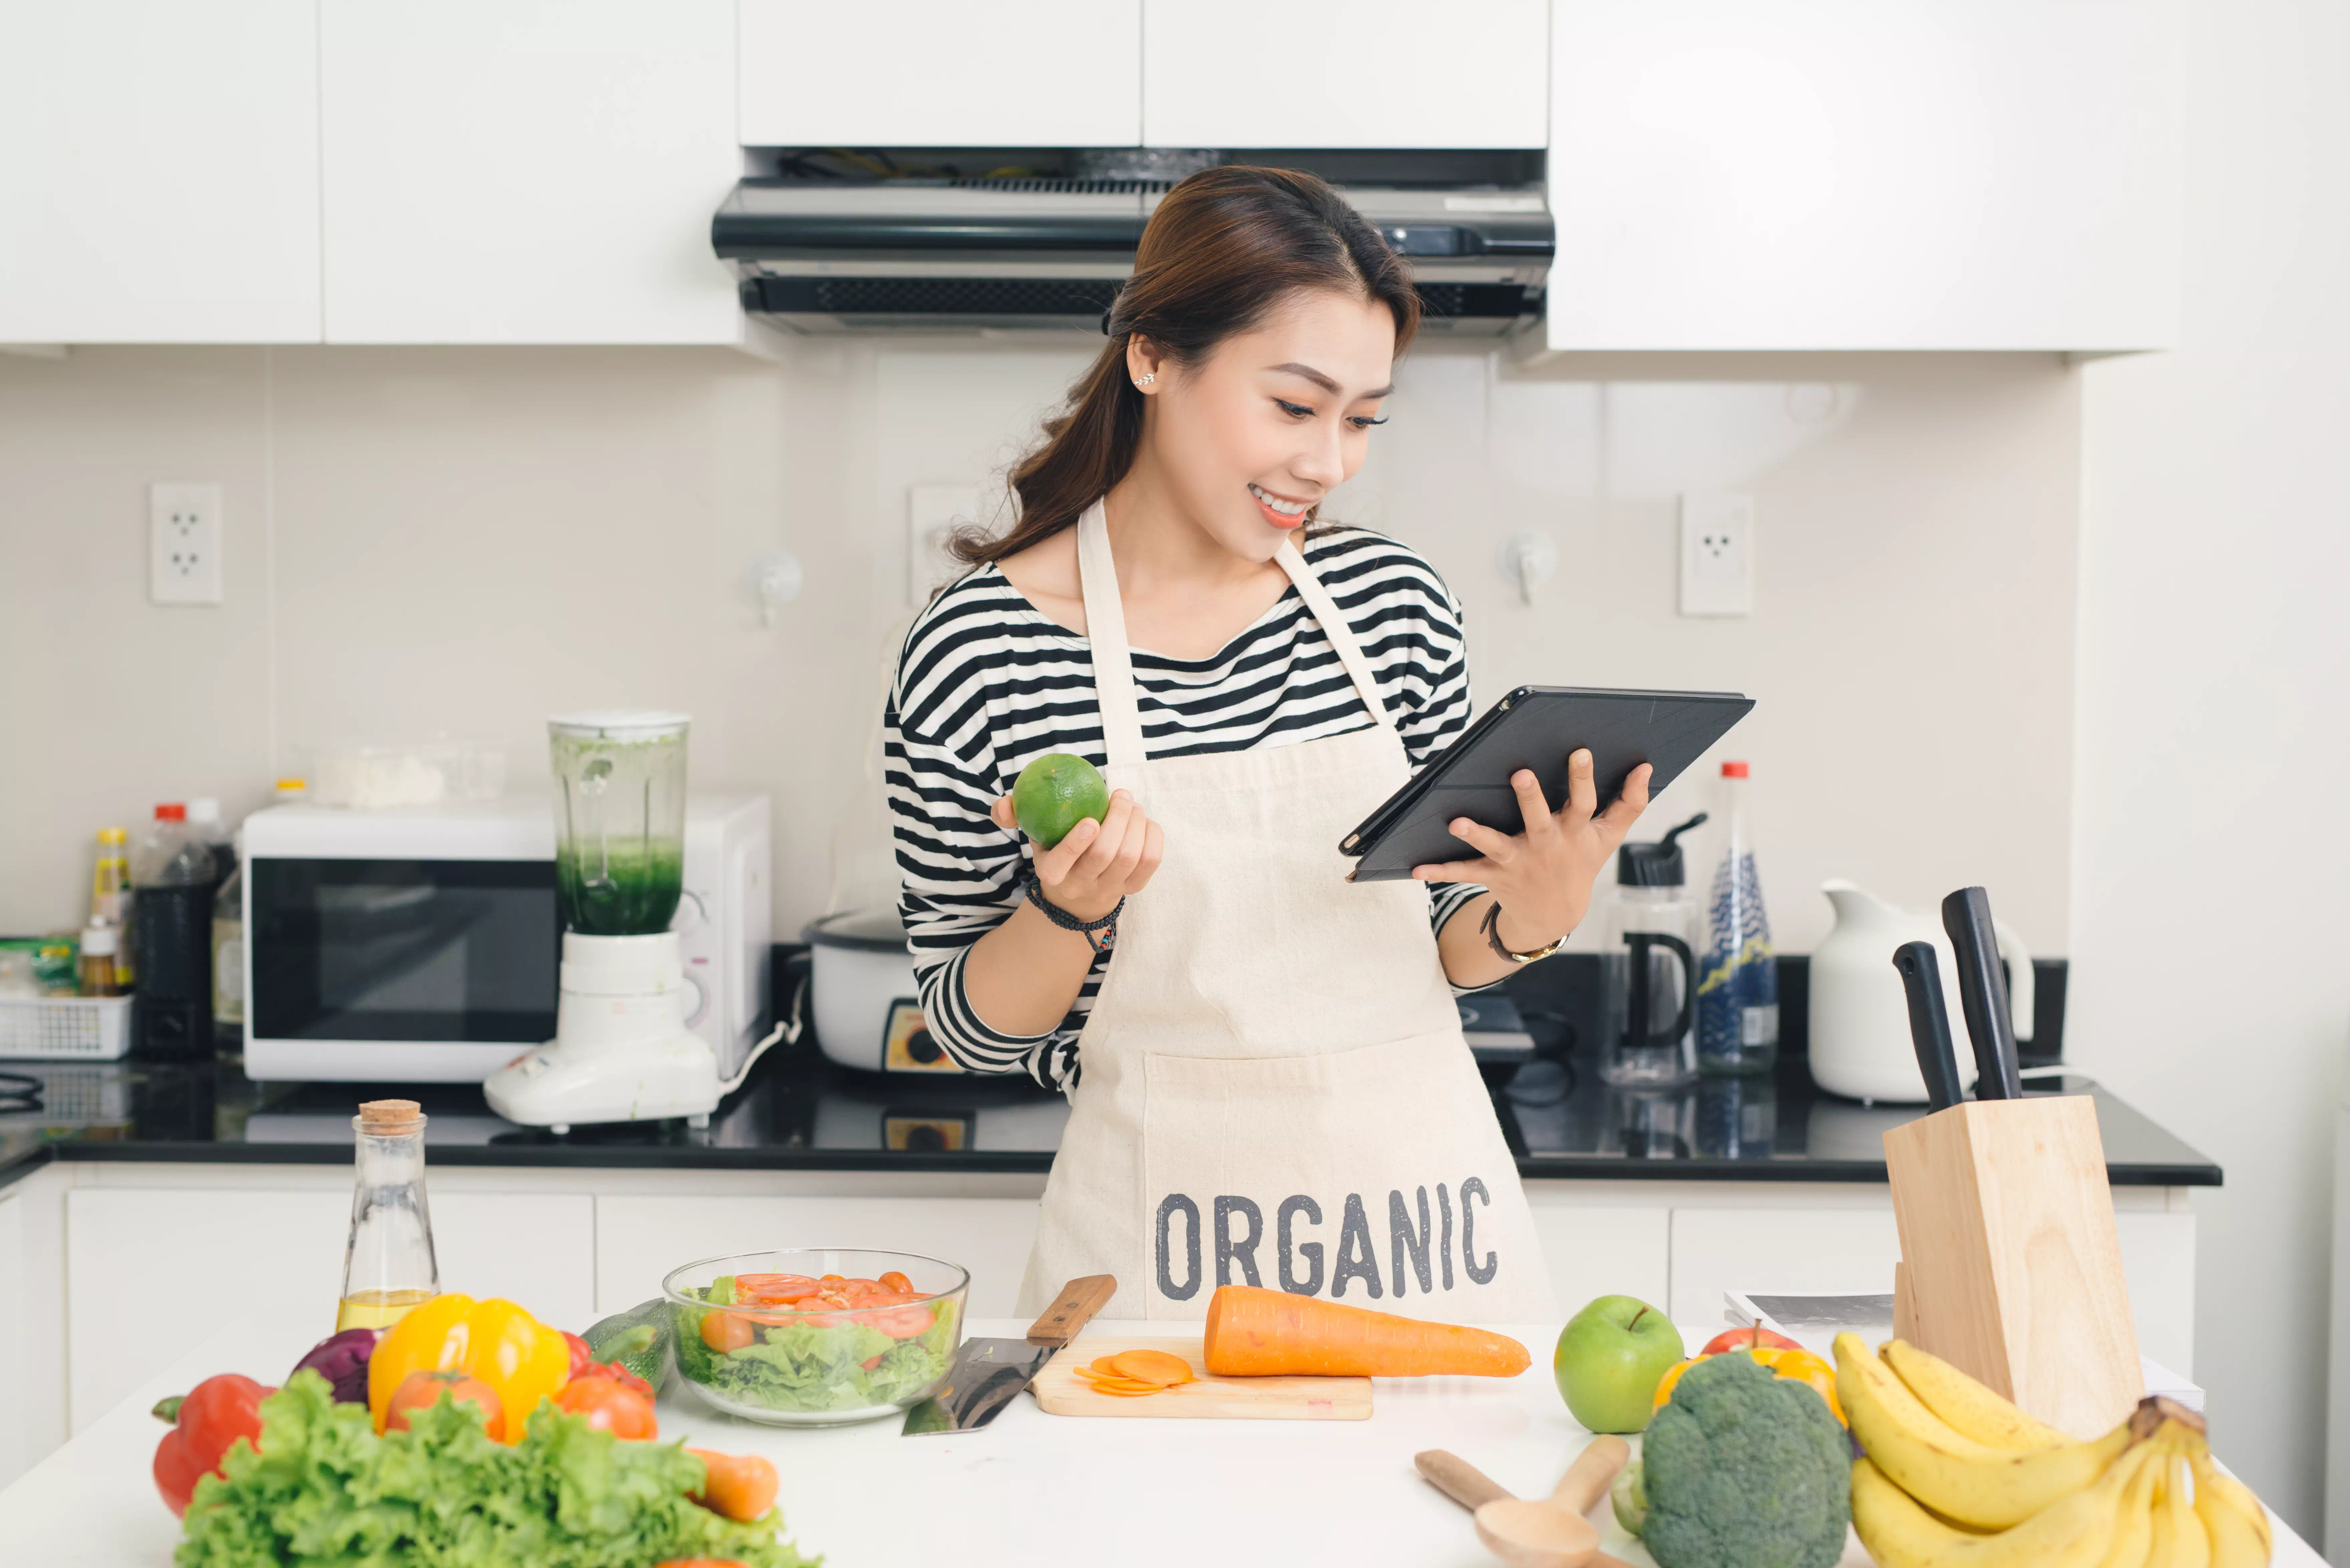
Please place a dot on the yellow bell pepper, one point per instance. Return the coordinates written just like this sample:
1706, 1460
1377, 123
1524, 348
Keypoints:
522, 1359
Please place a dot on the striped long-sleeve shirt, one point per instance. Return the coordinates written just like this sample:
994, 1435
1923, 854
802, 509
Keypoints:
985, 685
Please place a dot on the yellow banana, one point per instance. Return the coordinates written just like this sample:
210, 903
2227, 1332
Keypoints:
2233, 1517
2134, 1525
2076, 1532
1949, 1472
2180, 1538
1966, 1405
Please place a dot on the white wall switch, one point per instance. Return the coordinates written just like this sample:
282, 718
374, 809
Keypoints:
1717, 553
183, 544
933, 513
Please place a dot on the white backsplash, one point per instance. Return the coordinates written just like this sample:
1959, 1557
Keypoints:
461, 541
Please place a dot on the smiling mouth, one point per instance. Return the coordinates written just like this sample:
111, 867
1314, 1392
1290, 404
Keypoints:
1279, 511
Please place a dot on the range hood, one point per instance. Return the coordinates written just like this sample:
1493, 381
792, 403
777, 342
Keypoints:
907, 240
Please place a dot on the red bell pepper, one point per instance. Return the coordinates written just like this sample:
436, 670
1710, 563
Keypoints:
205, 1421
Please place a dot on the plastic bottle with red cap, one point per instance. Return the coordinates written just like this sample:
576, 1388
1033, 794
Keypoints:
1738, 986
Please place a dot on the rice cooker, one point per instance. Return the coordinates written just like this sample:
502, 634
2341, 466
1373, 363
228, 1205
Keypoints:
868, 1012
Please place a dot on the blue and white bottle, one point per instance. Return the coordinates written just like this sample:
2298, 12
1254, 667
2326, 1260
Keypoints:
1738, 986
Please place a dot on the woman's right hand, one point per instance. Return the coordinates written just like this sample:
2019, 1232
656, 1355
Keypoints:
1098, 863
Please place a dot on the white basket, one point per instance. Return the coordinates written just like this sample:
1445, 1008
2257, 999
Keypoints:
66, 1028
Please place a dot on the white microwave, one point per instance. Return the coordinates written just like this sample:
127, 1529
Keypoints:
419, 945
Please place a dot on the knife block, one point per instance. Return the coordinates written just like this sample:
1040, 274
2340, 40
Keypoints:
2011, 1269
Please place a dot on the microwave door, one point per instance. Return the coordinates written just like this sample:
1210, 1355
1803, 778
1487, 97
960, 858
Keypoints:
403, 954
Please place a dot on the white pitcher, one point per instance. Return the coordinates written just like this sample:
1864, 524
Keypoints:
1859, 1013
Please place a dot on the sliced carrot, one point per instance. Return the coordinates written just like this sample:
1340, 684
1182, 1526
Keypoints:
1151, 1366
1134, 1393
1116, 1384
1254, 1332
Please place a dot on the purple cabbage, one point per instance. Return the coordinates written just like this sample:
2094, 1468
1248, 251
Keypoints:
342, 1360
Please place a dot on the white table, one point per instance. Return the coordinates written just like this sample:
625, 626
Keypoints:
1029, 1488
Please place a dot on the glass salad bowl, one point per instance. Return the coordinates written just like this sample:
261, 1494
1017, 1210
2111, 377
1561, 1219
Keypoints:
815, 1336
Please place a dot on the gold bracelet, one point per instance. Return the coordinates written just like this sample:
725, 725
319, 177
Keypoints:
1493, 938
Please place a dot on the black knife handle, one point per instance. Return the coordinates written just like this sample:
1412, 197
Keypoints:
1929, 1022
1982, 993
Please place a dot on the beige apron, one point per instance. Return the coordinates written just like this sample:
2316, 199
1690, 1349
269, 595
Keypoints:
1274, 1088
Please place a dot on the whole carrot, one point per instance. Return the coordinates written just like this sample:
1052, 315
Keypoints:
738, 1486
1255, 1333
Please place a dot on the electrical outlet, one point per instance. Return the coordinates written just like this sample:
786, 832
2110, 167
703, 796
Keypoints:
933, 513
183, 544
1717, 554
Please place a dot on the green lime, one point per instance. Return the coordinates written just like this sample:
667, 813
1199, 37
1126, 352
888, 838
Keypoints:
1056, 793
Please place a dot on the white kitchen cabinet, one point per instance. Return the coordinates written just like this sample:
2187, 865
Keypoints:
639, 1239
1601, 1250
151, 1273
17, 1441
942, 73
158, 172
1845, 175
1286, 73
515, 172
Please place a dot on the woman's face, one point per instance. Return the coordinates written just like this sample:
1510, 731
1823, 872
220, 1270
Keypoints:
1273, 420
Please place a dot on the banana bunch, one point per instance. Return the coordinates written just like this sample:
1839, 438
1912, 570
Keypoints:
1956, 1476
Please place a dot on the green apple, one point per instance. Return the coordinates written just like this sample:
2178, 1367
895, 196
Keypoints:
1611, 1356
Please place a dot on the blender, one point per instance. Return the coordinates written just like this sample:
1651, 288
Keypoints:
621, 1051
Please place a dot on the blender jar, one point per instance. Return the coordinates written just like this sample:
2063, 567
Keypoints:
619, 820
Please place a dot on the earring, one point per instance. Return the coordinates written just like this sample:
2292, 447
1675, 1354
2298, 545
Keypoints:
1148, 377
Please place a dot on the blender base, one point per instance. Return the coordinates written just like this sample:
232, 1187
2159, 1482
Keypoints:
622, 1052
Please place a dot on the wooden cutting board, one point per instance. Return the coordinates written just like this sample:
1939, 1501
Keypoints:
1061, 1392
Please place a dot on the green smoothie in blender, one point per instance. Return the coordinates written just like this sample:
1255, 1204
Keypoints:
619, 821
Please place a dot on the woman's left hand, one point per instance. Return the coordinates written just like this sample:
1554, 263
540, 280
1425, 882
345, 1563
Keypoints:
1543, 877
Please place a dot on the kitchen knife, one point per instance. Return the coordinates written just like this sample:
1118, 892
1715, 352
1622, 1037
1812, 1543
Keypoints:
1982, 991
1929, 1022
988, 1373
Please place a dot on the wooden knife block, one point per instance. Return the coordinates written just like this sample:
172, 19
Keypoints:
2011, 1269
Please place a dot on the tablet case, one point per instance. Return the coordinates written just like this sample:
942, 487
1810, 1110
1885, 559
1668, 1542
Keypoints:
1536, 727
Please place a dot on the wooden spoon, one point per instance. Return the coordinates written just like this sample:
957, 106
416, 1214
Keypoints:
1553, 1534
1471, 1488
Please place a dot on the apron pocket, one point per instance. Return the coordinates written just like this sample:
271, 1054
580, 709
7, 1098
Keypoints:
1377, 1176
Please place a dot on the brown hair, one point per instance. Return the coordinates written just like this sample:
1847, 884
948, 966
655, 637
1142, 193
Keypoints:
1225, 247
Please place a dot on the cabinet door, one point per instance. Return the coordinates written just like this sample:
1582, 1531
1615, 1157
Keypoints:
942, 73
150, 1274
638, 1240
1379, 72
1935, 174
1597, 1249
158, 171
527, 171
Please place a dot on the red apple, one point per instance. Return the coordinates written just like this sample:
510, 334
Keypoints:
1747, 1339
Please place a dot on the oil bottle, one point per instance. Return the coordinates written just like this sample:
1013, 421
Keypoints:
387, 1266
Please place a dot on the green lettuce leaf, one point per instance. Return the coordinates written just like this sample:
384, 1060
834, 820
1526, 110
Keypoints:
325, 1492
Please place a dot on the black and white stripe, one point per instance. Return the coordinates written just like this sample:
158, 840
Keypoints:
985, 685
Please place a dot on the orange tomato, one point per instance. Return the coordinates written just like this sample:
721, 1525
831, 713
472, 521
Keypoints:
895, 1281
726, 1331
772, 1290
610, 1406
740, 1486
423, 1390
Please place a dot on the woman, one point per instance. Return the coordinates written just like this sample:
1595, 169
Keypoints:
1268, 1081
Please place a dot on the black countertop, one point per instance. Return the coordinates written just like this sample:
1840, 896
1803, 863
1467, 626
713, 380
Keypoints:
799, 1112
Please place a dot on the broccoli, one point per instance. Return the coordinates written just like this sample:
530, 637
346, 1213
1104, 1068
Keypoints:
1743, 1469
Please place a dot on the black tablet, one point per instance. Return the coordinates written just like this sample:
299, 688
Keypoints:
1536, 727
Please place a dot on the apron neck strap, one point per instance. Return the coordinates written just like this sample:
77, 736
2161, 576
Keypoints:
1113, 659
1333, 627
1121, 712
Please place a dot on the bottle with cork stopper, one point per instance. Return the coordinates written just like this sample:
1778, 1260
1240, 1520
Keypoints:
387, 1267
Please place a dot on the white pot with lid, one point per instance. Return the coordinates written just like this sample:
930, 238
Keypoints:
868, 1009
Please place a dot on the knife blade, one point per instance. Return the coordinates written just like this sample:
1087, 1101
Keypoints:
1929, 1022
1982, 993
988, 1374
